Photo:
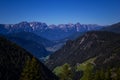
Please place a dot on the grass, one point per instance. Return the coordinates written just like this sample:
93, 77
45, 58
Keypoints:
82, 66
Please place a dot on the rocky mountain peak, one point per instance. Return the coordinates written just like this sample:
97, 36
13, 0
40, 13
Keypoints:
50, 32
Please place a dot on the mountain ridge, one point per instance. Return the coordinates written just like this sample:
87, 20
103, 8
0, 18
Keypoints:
89, 45
112, 28
50, 32
31, 42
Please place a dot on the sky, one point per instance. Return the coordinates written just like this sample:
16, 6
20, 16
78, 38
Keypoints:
101, 12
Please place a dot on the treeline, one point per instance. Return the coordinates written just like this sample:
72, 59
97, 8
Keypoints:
66, 72
31, 70
108, 74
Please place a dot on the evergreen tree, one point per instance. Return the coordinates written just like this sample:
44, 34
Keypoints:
64, 72
108, 75
102, 74
97, 75
31, 70
87, 74
118, 74
26, 69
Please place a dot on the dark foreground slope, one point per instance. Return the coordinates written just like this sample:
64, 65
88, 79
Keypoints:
18, 64
99, 44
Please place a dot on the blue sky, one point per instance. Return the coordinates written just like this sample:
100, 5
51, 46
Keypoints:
60, 11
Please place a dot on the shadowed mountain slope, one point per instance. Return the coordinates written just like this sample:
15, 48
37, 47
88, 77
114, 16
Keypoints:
92, 44
18, 64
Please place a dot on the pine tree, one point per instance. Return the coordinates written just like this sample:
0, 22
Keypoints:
64, 72
102, 74
87, 74
118, 74
67, 71
31, 70
108, 75
25, 73
97, 75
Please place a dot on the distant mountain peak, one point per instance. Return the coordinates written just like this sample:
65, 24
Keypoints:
50, 32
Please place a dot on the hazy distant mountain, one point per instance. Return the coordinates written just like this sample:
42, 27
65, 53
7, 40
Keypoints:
33, 37
18, 64
3, 29
52, 32
113, 28
31, 42
73, 36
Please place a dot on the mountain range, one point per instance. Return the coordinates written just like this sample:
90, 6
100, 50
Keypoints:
85, 55
49, 32
41, 39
